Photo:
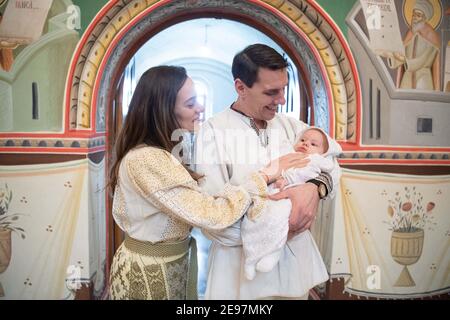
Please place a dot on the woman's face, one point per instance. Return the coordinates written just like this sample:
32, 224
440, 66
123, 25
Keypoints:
188, 111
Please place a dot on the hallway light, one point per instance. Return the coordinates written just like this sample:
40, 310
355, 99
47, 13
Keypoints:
204, 49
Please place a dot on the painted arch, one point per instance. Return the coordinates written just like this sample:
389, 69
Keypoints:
301, 27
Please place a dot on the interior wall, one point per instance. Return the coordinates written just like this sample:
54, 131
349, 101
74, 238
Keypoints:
338, 11
44, 63
398, 117
393, 120
55, 146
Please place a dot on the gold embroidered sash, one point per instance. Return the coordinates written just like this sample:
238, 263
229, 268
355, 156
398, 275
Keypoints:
168, 250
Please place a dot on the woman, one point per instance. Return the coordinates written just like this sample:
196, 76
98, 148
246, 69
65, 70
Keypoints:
157, 199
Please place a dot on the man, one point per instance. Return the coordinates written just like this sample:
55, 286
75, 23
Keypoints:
238, 141
419, 68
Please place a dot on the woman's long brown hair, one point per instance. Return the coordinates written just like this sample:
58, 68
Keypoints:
151, 118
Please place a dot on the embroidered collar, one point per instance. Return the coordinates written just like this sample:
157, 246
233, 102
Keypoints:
261, 133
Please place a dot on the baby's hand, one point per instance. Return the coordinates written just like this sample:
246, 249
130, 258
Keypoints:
280, 183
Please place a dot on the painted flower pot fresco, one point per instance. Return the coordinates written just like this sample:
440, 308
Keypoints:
406, 249
8, 224
5, 253
409, 216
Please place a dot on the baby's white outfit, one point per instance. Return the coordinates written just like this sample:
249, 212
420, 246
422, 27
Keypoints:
264, 236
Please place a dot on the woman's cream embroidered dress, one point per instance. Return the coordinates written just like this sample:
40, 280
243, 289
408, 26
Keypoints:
157, 202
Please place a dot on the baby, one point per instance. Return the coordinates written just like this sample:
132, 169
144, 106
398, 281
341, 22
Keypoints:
264, 237
313, 142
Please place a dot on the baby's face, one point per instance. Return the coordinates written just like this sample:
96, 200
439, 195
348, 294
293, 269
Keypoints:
312, 141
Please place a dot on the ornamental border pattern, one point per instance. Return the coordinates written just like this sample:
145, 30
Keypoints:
378, 155
251, 10
333, 57
51, 143
300, 12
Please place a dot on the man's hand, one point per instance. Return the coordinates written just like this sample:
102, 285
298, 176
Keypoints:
305, 201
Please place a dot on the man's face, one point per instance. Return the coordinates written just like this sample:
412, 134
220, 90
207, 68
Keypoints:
417, 17
266, 93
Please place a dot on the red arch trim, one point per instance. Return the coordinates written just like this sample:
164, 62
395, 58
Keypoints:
346, 146
98, 17
313, 50
133, 22
108, 52
352, 62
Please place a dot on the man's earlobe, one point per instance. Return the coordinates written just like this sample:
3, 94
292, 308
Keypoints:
239, 86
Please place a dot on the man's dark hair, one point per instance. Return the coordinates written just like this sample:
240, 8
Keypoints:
247, 62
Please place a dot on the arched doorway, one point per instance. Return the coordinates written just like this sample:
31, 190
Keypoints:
207, 54
301, 28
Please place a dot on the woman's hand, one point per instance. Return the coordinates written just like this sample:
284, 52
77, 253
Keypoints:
292, 160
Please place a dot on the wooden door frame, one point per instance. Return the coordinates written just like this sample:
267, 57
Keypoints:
116, 235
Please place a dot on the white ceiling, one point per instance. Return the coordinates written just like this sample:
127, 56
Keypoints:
223, 37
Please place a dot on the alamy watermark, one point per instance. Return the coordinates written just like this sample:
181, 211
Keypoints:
373, 15
73, 279
74, 19
230, 146
373, 281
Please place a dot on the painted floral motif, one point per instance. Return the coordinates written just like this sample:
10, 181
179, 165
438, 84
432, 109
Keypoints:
8, 224
409, 215
409, 212
8, 221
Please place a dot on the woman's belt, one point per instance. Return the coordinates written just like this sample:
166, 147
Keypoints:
167, 250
